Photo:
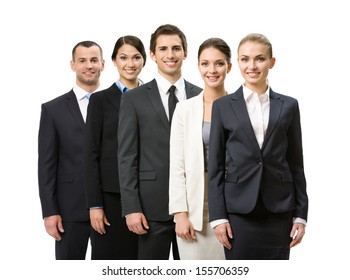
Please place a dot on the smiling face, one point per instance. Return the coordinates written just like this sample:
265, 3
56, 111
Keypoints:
213, 67
88, 65
255, 61
169, 55
129, 63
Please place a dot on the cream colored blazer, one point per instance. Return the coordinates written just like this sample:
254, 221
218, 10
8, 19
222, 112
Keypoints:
186, 183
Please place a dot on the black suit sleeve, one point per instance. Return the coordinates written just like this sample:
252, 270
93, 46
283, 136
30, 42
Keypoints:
47, 164
216, 167
295, 160
93, 142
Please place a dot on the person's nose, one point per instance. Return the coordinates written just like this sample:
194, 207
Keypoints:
88, 64
212, 69
170, 53
252, 64
130, 62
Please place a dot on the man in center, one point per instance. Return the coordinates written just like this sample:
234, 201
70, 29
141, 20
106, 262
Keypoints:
143, 141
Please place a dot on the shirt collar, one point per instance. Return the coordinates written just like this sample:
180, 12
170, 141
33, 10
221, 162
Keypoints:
164, 84
80, 93
123, 88
248, 93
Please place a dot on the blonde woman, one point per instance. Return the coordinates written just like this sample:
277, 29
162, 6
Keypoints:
257, 189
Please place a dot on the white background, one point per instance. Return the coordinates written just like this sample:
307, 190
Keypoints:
311, 46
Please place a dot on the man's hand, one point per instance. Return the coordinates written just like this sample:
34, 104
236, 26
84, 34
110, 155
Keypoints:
98, 220
137, 223
53, 226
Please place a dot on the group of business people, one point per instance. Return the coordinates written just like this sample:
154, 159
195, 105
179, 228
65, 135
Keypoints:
149, 169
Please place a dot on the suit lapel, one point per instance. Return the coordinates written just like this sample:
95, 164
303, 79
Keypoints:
196, 124
113, 95
154, 96
240, 109
275, 112
73, 107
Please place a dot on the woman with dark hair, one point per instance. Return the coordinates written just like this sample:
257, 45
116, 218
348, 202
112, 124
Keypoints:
110, 239
189, 140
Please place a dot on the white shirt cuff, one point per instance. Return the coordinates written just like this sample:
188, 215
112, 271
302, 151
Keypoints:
215, 223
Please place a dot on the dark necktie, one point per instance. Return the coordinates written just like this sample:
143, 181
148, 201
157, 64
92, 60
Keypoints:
172, 101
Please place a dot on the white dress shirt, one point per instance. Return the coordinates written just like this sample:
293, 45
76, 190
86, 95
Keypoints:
163, 87
258, 107
83, 102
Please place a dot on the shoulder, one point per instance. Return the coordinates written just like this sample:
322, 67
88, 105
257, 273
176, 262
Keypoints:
193, 86
98, 95
188, 106
112, 89
191, 101
59, 99
140, 94
223, 101
283, 97
150, 86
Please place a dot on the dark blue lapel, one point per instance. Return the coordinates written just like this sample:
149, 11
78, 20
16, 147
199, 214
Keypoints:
73, 107
276, 104
240, 109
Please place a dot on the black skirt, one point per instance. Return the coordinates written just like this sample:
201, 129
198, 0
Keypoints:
260, 235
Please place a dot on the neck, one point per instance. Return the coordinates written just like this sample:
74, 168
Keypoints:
211, 94
172, 78
89, 88
258, 88
130, 84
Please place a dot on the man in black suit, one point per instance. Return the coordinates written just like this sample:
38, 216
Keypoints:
61, 156
143, 141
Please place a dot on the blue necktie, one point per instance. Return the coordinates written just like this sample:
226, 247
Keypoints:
88, 95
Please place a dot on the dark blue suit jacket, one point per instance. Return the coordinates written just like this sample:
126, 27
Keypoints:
61, 159
239, 169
